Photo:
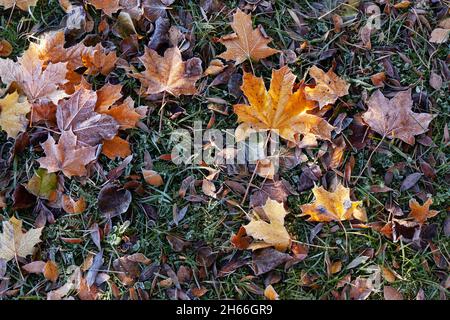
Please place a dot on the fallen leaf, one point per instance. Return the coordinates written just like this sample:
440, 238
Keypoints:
43, 184
21, 4
13, 111
99, 60
270, 293
5, 48
107, 6
14, 243
36, 267
125, 114
393, 118
267, 259
169, 73
77, 114
280, 109
71, 206
439, 35
50, 271
410, 181
329, 87
272, 233
152, 177
66, 156
39, 84
333, 206
391, 293
113, 201
116, 147
421, 213
246, 42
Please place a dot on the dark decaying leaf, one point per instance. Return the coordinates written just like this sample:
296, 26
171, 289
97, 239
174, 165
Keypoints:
265, 260
113, 201
410, 181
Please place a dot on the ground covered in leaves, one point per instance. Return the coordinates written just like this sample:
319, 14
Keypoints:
353, 205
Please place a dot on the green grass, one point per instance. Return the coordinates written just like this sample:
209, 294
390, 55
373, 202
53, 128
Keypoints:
213, 223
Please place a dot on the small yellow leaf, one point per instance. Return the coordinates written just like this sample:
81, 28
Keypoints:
270, 293
13, 111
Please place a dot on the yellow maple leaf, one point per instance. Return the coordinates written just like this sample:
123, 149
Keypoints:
15, 243
280, 109
13, 111
329, 87
272, 233
333, 206
246, 42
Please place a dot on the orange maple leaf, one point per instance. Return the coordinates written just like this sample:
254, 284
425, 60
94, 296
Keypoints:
279, 108
246, 42
421, 213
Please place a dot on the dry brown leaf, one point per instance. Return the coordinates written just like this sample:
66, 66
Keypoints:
280, 109
329, 87
107, 96
107, 6
152, 177
14, 243
21, 4
439, 35
5, 48
169, 73
99, 60
215, 66
50, 271
125, 114
38, 83
13, 111
333, 206
116, 147
71, 206
246, 42
66, 156
77, 114
393, 118
421, 213
272, 233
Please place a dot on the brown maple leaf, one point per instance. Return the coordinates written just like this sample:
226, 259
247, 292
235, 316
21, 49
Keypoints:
421, 213
116, 147
21, 4
329, 87
39, 84
280, 108
107, 6
98, 60
169, 73
66, 156
246, 42
77, 114
126, 114
393, 118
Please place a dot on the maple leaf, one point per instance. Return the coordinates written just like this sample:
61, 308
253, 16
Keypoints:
106, 96
108, 6
13, 113
66, 156
37, 83
272, 233
393, 118
14, 243
333, 206
98, 60
116, 147
246, 42
77, 114
279, 108
421, 213
125, 114
329, 87
21, 4
169, 73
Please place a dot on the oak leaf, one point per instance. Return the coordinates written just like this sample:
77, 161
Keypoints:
14, 243
329, 87
246, 42
393, 118
279, 108
333, 206
421, 213
169, 73
13, 111
38, 83
272, 233
66, 156
77, 114
21, 4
